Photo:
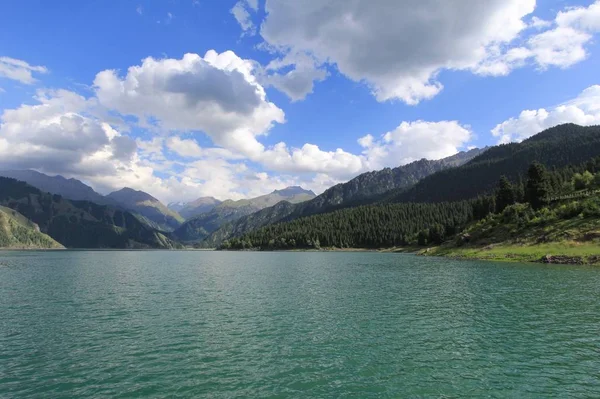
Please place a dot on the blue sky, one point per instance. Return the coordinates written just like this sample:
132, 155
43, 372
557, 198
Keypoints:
422, 78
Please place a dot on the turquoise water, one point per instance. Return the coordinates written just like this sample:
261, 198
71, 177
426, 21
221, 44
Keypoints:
320, 325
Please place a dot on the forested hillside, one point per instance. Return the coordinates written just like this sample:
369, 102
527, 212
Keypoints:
79, 224
17, 232
365, 188
199, 227
555, 148
148, 209
528, 203
370, 226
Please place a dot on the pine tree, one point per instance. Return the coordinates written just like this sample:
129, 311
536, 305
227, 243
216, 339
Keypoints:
538, 185
505, 195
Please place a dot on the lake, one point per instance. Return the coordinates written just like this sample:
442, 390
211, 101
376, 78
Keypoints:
320, 325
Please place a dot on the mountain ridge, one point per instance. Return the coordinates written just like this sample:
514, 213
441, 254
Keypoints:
150, 210
359, 189
200, 226
80, 224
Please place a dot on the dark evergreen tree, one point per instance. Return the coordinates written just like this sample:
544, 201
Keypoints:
538, 185
505, 195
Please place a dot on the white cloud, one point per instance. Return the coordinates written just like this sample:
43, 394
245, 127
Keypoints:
242, 16
298, 81
215, 94
412, 141
57, 136
397, 50
583, 110
538, 23
173, 101
19, 70
561, 43
139, 10
189, 148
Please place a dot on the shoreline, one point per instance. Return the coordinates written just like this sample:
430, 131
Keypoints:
572, 253
540, 254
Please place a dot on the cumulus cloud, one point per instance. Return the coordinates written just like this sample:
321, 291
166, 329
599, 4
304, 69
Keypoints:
19, 70
242, 15
294, 75
560, 43
57, 136
412, 141
216, 94
173, 101
583, 110
397, 50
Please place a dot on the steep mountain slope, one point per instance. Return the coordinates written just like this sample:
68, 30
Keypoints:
152, 211
530, 216
79, 224
199, 227
18, 232
556, 147
72, 189
190, 209
362, 189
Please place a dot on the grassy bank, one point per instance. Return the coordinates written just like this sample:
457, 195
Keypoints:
566, 232
569, 252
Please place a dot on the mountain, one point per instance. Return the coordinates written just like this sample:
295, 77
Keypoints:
72, 189
362, 189
18, 232
555, 147
201, 226
188, 210
150, 210
79, 224
536, 205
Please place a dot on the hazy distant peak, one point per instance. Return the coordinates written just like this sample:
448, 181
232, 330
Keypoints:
127, 194
293, 190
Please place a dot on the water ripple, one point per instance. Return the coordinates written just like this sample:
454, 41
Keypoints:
231, 325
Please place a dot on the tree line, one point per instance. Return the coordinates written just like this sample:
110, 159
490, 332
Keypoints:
406, 224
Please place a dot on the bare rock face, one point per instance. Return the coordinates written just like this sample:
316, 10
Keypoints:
563, 260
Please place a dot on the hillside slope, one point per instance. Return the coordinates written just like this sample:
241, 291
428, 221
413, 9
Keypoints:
79, 224
556, 147
17, 232
362, 189
151, 211
566, 232
197, 207
198, 228
71, 189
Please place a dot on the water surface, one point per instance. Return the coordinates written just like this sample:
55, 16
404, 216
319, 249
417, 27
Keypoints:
238, 325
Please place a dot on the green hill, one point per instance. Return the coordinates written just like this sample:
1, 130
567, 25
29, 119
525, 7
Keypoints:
147, 208
566, 232
555, 148
80, 224
18, 232
363, 189
552, 212
198, 228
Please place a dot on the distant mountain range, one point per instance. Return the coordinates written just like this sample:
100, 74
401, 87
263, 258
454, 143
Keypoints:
72, 189
72, 214
80, 224
359, 190
439, 206
190, 209
145, 207
18, 232
199, 227
152, 211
